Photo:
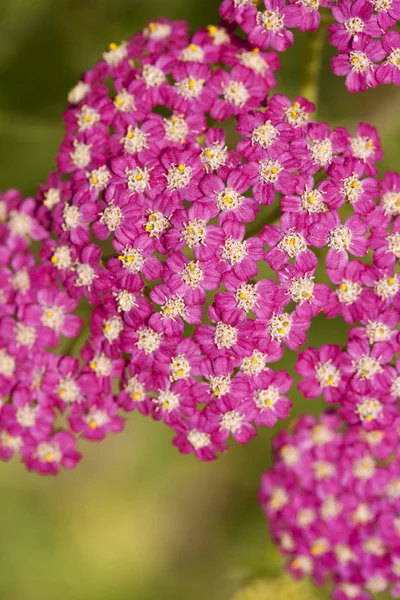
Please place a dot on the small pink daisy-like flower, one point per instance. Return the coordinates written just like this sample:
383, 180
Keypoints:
359, 65
389, 70
269, 399
352, 19
290, 241
98, 417
267, 27
303, 14
47, 457
195, 436
240, 90
340, 238
321, 372
388, 12
365, 146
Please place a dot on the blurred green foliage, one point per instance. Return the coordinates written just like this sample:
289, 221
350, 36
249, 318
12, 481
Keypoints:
135, 521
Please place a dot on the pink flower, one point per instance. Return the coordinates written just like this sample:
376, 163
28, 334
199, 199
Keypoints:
321, 372
359, 65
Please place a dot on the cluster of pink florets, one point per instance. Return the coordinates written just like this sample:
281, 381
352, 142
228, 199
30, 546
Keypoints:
333, 500
161, 229
363, 31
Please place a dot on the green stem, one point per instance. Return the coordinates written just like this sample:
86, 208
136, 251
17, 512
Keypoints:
312, 64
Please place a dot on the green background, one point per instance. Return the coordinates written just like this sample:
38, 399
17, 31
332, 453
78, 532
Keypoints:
135, 521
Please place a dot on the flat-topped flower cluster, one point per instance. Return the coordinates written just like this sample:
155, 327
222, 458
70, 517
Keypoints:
363, 31
333, 502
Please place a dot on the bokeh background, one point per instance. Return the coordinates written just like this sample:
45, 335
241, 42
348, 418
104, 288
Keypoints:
136, 521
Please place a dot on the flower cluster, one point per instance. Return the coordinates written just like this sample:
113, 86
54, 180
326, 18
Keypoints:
198, 261
333, 502
363, 31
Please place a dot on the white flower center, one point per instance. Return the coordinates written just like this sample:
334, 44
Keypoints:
264, 135
321, 435
51, 197
125, 300
267, 398
176, 129
72, 217
254, 364
312, 201
198, 439
377, 332
190, 87
369, 409
387, 287
225, 335
20, 223
61, 258
148, 340
362, 514
68, 390
179, 367
293, 244
214, 156
391, 203
135, 140
78, 92
116, 54
348, 291
112, 328
192, 53
279, 326
168, 400
366, 367
254, 61
96, 418
393, 241
278, 498
192, 274
270, 20
174, 307
305, 517
53, 317
340, 238
101, 365
135, 389
327, 374
10, 441
47, 452
310, 5
85, 275
269, 170
352, 188
124, 101
7, 363
362, 147
234, 251
156, 224
359, 61
321, 151
246, 296
290, 455
354, 25
330, 508
112, 217
296, 115
80, 155
364, 468
220, 385
395, 387
394, 58
236, 93
25, 335
87, 117
21, 281
323, 470
231, 421
178, 176
228, 200
302, 289
132, 259
383, 5
153, 76
194, 233
137, 179
157, 31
